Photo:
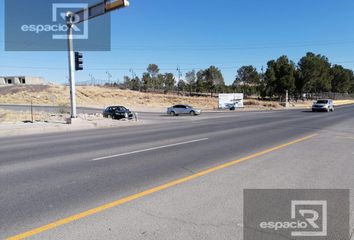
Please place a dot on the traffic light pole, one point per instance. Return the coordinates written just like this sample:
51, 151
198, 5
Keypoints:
71, 56
103, 7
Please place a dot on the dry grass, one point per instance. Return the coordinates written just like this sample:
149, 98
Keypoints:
98, 97
14, 116
261, 104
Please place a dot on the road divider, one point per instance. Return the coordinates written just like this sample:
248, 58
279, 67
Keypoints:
150, 149
150, 191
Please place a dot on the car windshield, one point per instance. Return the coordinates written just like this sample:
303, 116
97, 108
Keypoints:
322, 102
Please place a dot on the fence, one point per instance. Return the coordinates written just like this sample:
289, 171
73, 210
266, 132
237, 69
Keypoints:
330, 95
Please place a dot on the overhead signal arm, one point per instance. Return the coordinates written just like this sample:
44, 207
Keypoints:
99, 9
116, 4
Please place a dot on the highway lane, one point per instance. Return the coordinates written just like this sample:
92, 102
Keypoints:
48, 177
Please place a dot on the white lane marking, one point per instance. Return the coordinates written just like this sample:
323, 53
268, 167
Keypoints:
150, 149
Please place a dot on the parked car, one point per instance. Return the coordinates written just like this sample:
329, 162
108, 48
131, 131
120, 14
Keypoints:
231, 106
183, 109
323, 105
117, 112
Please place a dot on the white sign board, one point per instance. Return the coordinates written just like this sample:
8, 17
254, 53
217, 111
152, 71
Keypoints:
231, 100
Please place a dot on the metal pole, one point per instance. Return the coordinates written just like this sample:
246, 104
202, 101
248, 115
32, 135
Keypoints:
32, 110
71, 55
287, 99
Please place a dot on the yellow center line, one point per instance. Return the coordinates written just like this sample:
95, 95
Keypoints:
149, 191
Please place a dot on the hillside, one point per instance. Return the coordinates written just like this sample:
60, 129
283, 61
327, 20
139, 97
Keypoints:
93, 96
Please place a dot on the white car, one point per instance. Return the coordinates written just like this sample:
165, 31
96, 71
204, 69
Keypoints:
183, 109
323, 105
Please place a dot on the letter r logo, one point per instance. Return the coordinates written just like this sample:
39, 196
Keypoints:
311, 216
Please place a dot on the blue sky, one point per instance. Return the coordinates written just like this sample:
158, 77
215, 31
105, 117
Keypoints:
200, 33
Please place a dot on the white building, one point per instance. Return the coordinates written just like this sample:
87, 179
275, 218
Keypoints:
21, 80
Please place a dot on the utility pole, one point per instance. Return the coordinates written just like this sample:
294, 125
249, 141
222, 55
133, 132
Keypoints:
131, 70
109, 77
179, 73
179, 77
92, 80
32, 120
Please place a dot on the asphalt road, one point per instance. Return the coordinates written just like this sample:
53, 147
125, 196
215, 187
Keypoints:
48, 177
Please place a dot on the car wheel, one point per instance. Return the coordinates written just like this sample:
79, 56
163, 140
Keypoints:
192, 113
313, 110
173, 113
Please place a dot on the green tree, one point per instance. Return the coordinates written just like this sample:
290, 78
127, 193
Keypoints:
213, 79
351, 89
181, 86
341, 79
248, 80
135, 84
147, 81
153, 71
200, 84
127, 82
169, 81
159, 81
314, 74
280, 76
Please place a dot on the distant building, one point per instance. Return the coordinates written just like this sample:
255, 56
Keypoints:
21, 80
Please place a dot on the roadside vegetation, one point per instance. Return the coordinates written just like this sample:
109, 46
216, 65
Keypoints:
311, 78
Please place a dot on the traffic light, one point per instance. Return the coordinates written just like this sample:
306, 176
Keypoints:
78, 61
116, 4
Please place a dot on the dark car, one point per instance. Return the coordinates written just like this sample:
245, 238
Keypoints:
231, 106
117, 112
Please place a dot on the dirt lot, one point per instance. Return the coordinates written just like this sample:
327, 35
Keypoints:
23, 116
14, 123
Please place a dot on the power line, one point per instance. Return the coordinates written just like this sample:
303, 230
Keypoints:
193, 47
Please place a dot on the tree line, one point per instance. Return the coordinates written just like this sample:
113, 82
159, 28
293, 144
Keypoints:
311, 75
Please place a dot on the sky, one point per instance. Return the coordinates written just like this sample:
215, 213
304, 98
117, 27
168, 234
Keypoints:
198, 33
